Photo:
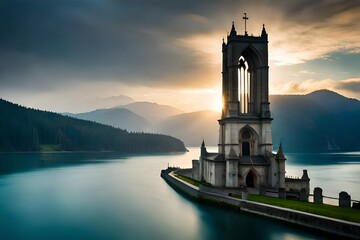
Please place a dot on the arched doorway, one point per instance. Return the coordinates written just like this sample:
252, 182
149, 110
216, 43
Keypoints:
250, 179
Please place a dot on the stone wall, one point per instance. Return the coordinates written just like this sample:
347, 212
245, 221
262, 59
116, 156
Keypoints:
330, 225
296, 184
195, 170
181, 185
185, 172
213, 172
222, 191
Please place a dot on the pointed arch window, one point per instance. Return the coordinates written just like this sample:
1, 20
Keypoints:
247, 141
243, 85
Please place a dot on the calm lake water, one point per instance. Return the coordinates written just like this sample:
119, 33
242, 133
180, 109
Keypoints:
111, 196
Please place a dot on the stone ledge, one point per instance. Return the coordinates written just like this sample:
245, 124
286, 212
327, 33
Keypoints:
330, 225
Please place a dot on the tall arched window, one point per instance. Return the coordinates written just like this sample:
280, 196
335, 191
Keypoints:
243, 85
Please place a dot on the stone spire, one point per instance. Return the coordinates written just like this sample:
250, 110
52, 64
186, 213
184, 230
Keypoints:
305, 175
263, 32
203, 149
280, 154
233, 31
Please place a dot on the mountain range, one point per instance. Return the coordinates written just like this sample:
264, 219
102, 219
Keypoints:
26, 129
116, 117
317, 122
152, 112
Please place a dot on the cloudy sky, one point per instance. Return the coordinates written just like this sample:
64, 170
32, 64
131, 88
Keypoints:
78, 55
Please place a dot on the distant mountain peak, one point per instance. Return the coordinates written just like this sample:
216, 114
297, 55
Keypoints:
144, 103
153, 112
115, 100
118, 117
120, 96
330, 98
325, 93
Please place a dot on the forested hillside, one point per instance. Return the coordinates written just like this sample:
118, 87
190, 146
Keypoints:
25, 129
317, 122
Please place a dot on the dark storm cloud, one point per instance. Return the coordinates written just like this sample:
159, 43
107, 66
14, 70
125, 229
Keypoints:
90, 40
352, 85
313, 11
46, 42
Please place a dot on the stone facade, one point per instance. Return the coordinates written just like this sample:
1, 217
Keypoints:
296, 184
244, 158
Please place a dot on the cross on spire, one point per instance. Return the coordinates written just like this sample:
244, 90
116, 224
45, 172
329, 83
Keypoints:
245, 18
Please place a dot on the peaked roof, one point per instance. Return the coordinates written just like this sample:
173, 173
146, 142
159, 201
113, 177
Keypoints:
280, 154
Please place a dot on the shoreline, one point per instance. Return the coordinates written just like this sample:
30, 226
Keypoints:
117, 152
328, 225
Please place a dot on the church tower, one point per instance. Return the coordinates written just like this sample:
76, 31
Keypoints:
245, 124
244, 159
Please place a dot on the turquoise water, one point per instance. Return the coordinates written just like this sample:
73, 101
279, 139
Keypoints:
333, 172
111, 196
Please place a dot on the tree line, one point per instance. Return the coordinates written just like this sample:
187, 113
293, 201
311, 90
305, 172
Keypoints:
26, 129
